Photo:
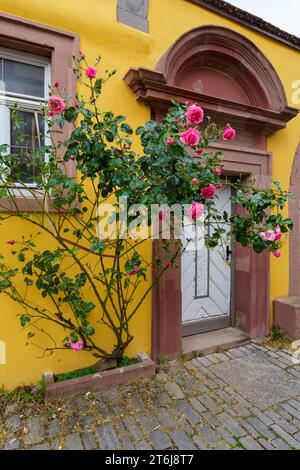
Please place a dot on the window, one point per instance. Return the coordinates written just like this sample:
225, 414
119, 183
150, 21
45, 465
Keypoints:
24, 80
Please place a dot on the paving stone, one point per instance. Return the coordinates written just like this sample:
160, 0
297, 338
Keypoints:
286, 437
290, 410
209, 404
199, 443
221, 357
165, 418
197, 405
263, 430
208, 434
13, 423
181, 440
204, 361
288, 427
86, 420
143, 445
262, 416
148, 422
258, 380
35, 429
160, 440
44, 446
53, 428
12, 444
73, 442
174, 390
191, 415
250, 444
212, 359
226, 436
237, 353
88, 440
279, 444
295, 404
128, 444
107, 436
231, 425
266, 444
133, 427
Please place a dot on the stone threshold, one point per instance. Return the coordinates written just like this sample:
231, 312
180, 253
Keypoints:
213, 341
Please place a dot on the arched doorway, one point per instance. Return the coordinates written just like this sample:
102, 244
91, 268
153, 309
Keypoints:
234, 82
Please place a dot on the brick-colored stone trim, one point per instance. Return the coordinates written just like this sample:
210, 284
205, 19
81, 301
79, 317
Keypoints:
29, 36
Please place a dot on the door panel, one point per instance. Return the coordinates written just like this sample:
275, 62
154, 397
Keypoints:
206, 283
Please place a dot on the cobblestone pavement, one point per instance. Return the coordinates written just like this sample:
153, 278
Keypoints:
245, 398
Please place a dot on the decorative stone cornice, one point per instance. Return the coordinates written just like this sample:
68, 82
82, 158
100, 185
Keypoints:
251, 21
224, 50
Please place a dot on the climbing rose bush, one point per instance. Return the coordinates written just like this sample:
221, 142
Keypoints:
87, 285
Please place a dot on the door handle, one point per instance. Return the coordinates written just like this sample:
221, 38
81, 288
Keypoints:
228, 252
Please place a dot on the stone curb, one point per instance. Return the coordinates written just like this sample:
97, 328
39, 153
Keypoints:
99, 380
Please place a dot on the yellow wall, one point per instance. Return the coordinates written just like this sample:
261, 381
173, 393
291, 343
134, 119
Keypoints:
122, 47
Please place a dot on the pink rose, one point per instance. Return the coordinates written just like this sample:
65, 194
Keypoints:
195, 181
162, 215
90, 72
169, 264
278, 234
195, 115
191, 137
196, 210
218, 171
72, 158
200, 151
209, 191
229, 133
56, 105
268, 236
135, 270
277, 254
11, 242
77, 345
170, 141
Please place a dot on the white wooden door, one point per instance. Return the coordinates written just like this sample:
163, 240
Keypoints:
206, 283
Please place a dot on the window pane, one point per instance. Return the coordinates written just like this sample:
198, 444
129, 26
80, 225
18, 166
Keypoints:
25, 140
23, 78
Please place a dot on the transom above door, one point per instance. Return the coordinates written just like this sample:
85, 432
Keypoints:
206, 282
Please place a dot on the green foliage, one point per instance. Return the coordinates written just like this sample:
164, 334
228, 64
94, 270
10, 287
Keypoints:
75, 374
81, 283
126, 361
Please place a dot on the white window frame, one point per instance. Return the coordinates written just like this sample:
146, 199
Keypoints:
24, 102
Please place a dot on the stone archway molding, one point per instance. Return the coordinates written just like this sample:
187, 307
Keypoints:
259, 110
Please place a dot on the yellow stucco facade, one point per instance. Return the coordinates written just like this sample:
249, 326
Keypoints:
122, 47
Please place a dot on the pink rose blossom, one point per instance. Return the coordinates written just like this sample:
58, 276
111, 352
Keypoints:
277, 254
209, 191
195, 181
195, 115
196, 210
268, 236
191, 137
162, 215
56, 105
135, 270
91, 72
220, 186
278, 234
11, 242
169, 264
72, 158
56, 84
218, 171
200, 151
170, 141
229, 133
77, 345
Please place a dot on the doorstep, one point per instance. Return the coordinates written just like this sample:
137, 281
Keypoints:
213, 341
